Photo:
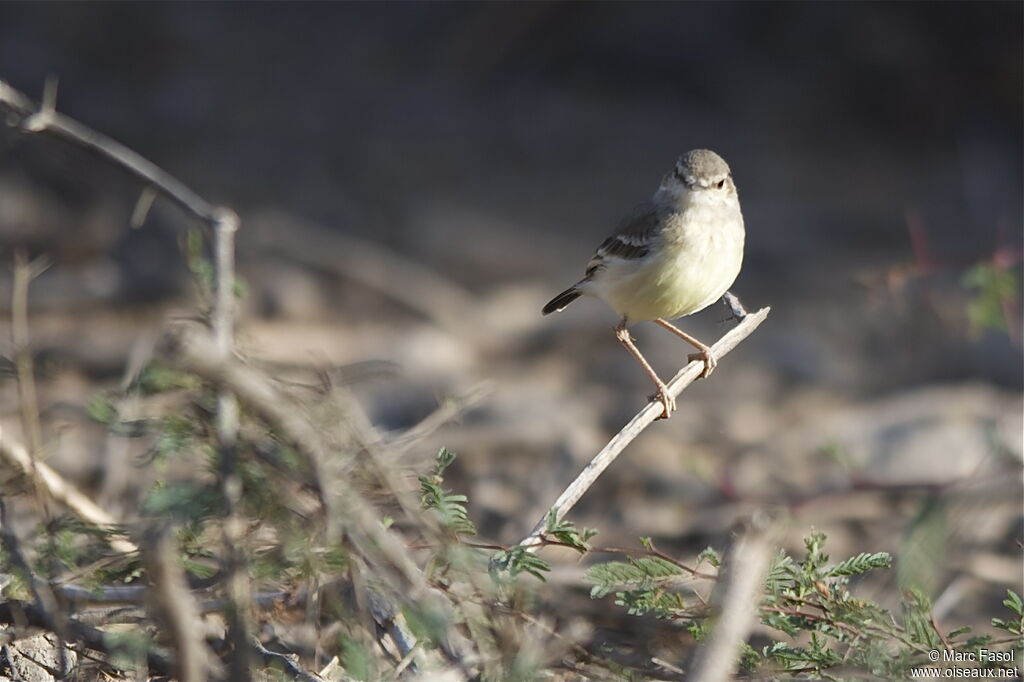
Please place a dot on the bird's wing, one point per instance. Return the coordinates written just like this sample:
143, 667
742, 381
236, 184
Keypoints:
632, 240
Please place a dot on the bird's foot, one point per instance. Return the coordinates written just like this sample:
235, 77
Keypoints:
708, 358
666, 400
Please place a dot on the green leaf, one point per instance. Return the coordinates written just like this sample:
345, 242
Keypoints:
959, 631
635, 570
445, 457
1014, 603
711, 556
994, 288
519, 559
566, 532
450, 507
861, 563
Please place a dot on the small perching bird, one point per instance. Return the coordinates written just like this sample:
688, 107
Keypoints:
674, 255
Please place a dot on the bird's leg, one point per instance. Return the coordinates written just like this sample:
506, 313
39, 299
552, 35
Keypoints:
705, 354
667, 401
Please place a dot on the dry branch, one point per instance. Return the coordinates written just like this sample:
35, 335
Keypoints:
603, 459
29, 117
24, 273
196, 351
16, 456
175, 607
737, 597
44, 119
224, 223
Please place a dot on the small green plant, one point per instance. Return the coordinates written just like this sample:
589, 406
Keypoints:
450, 507
825, 628
993, 288
566, 533
1015, 626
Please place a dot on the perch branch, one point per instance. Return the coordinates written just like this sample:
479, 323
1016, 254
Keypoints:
603, 459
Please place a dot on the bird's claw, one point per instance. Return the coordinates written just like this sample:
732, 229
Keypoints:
709, 360
666, 400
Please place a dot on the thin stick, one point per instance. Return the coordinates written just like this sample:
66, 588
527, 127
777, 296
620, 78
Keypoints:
46, 120
224, 222
24, 273
603, 459
737, 597
223, 323
287, 666
175, 606
196, 352
15, 455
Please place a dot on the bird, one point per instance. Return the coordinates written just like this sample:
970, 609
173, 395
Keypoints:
673, 255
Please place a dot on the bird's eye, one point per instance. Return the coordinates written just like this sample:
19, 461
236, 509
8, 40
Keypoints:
721, 184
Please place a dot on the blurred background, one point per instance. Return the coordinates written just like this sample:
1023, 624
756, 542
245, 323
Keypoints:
416, 180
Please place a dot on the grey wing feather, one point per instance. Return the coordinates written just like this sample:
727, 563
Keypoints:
633, 238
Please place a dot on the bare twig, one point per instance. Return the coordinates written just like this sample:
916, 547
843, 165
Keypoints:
285, 664
224, 223
737, 596
45, 120
223, 321
16, 456
24, 273
652, 411
175, 607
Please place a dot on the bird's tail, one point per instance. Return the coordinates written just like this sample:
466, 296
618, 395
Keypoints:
558, 303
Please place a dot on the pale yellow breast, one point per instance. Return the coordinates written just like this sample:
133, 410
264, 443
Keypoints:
698, 259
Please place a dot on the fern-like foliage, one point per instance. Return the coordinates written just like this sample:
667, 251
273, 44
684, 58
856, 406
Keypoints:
641, 584
450, 507
862, 563
516, 560
566, 533
823, 628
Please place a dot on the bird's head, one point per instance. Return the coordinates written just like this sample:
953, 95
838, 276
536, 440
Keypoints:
701, 173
